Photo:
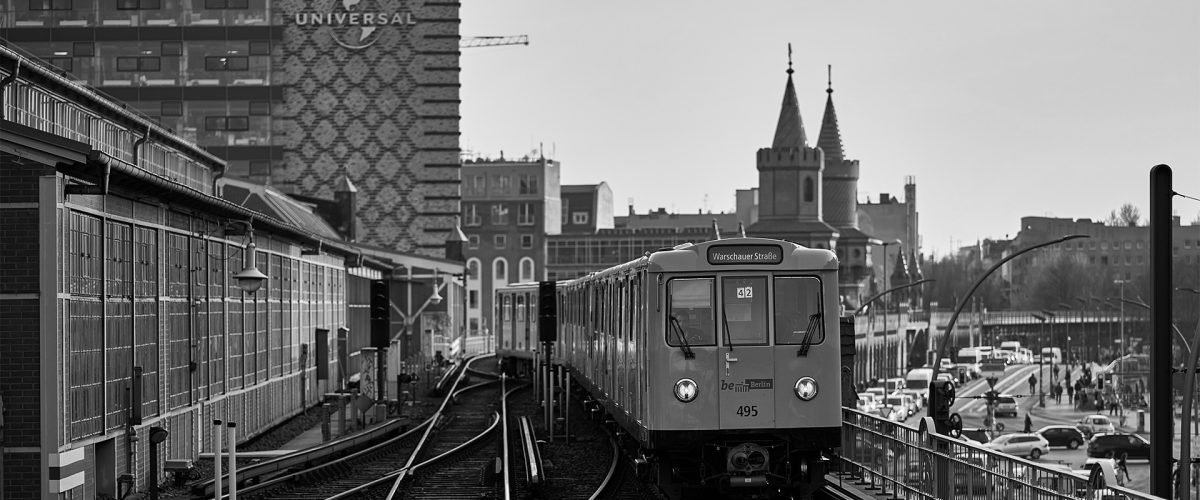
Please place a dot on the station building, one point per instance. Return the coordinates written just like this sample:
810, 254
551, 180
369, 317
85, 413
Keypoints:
140, 305
295, 94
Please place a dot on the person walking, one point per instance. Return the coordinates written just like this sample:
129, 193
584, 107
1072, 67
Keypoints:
1032, 383
1122, 468
1028, 424
1070, 394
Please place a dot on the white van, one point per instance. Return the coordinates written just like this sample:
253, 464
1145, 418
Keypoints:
1052, 355
1010, 345
917, 384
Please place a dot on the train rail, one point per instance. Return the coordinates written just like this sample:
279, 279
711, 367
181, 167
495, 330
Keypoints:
337, 465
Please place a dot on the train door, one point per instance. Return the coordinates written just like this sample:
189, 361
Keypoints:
746, 364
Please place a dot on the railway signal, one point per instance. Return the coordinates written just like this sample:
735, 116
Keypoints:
380, 321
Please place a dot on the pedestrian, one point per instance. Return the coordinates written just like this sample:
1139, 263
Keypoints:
1083, 400
1032, 383
1028, 424
1070, 393
1122, 467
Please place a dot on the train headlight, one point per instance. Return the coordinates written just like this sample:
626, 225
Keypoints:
685, 390
806, 388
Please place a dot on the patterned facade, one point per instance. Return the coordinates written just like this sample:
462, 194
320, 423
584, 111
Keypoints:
290, 92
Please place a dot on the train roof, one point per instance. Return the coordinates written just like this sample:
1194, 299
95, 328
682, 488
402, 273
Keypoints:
694, 256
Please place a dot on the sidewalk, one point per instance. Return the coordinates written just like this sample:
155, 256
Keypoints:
1066, 413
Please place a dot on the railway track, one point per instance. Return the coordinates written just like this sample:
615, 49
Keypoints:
335, 470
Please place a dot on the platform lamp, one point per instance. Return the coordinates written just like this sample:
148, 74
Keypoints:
250, 278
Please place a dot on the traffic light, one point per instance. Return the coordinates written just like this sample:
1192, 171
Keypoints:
941, 398
548, 311
380, 314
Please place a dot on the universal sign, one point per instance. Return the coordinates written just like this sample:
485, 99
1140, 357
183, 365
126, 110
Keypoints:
355, 25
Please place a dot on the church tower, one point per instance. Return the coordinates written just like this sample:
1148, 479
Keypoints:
789, 180
840, 190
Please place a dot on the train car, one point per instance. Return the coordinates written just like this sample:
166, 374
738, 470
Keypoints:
720, 359
516, 324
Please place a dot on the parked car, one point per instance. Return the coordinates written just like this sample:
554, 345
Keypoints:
1063, 435
1006, 405
1118, 444
1030, 445
1086, 430
1098, 424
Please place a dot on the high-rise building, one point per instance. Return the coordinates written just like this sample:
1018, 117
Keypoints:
293, 93
509, 208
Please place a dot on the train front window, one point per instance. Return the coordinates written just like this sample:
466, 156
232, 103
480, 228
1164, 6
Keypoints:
691, 312
745, 310
798, 311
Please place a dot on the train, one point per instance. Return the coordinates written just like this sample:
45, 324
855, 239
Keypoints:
719, 360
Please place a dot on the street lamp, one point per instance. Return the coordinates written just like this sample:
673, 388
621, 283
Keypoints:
887, 348
1123, 347
1064, 305
1084, 305
1042, 363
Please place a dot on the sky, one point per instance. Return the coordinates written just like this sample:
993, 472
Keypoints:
999, 109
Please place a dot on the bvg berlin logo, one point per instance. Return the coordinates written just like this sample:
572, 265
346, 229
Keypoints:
356, 24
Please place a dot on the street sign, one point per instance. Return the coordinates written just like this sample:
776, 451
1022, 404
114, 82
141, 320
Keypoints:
993, 368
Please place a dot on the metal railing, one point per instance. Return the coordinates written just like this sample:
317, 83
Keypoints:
892, 459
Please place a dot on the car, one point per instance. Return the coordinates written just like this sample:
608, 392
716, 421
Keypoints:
1098, 424
1006, 405
1063, 435
879, 392
1086, 430
979, 435
948, 378
1117, 445
1030, 445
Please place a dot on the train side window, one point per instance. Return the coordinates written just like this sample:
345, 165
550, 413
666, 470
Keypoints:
692, 305
797, 299
745, 310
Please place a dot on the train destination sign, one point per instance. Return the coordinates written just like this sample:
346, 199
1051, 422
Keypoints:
745, 254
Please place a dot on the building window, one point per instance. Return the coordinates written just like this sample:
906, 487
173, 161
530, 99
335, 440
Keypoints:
260, 168
49, 4
1140, 262
525, 215
172, 48
529, 184
1104, 260
526, 241
227, 123
499, 214
472, 215
499, 272
227, 63
473, 242
502, 185
260, 47
526, 269
1092, 260
808, 189
473, 299
64, 63
260, 108
1128, 244
139, 4
478, 184
565, 209
579, 218
1104, 245
500, 240
1141, 244
138, 64
473, 269
226, 4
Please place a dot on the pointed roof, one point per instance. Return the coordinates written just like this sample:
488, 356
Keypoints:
789, 132
900, 275
345, 186
830, 138
914, 266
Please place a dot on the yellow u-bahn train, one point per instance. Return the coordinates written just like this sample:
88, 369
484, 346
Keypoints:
720, 359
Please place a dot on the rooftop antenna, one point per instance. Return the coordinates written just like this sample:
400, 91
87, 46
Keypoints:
741, 229
716, 230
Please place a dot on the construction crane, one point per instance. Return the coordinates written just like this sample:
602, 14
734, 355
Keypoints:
492, 41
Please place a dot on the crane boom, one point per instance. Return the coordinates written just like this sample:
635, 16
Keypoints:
492, 41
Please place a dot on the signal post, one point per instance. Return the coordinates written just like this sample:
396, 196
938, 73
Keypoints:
548, 331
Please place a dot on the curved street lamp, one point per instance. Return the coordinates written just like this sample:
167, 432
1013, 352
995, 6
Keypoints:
937, 361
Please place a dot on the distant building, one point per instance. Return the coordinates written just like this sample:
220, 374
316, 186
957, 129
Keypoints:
509, 209
890, 220
1118, 252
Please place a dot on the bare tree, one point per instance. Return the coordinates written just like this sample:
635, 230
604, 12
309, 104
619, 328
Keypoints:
1127, 215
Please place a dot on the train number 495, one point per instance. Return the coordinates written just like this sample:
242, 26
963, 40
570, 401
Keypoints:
748, 410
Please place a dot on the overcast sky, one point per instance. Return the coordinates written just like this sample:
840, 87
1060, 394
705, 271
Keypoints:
1000, 109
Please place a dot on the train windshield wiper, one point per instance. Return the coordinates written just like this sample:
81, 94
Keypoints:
725, 323
814, 322
683, 343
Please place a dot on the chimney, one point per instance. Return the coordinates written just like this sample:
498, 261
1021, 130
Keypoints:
345, 196
884, 199
631, 214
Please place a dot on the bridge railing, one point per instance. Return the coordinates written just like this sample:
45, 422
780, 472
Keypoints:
902, 462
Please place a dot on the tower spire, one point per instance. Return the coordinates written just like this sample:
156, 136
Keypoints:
830, 138
789, 132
